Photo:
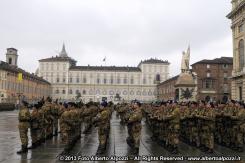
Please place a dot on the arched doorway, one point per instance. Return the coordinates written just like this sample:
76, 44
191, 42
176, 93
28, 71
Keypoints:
207, 98
225, 99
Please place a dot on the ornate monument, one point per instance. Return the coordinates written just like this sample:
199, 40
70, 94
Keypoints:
186, 82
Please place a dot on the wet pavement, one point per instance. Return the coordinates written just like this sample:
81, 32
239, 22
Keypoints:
87, 146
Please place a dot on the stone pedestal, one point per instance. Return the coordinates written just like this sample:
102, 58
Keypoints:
185, 87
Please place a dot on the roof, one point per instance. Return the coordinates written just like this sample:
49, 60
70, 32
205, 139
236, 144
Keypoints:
58, 59
14, 69
169, 80
154, 61
105, 68
222, 60
236, 9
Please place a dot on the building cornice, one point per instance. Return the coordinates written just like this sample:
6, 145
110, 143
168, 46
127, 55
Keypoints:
237, 9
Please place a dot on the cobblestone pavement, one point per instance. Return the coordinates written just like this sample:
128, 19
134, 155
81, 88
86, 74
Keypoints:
87, 146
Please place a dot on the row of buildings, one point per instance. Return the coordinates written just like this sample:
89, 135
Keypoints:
219, 79
60, 78
212, 79
17, 84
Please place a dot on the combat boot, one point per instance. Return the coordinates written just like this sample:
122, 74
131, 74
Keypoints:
23, 149
240, 149
175, 150
129, 142
136, 151
33, 146
100, 150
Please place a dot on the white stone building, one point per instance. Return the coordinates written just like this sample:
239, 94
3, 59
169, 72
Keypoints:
237, 17
92, 83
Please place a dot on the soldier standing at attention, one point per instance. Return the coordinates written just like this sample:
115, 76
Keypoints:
55, 114
24, 124
134, 127
103, 122
35, 127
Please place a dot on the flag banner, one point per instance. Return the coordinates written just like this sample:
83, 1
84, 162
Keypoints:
20, 77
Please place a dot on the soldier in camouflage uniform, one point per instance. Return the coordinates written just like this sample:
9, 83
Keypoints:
55, 115
173, 116
207, 128
24, 124
133, 120
67, 128
102, 120
86, 116
238, 121
35, 127
48, 118
42, 124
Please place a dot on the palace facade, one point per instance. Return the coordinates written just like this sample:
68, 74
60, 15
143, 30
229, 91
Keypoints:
94, 83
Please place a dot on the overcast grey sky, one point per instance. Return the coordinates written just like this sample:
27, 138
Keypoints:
125, 31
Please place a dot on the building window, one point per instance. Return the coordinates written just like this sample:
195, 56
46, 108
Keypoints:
225, 88
118, 81
98, 81
57, 91
70, 80
64, 80
240, 28
77, 92
158, 78
58, 80
144, 81
125, 92
125, 81
225, 75
241, 54
78, 80
208, 84
131, 93
105, 81
84, 92
138, 93
84, 80
208, 66
70, 91
132, 81
10, 61
63, 91
225, 66
208, 75
111, 92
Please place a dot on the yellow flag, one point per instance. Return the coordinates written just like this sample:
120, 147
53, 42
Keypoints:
20, 78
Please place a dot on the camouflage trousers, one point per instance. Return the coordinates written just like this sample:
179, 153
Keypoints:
23, 130
207, 137
134, 132
49, 129
237, 136
173, 135
35, 135
55, 125
103, 132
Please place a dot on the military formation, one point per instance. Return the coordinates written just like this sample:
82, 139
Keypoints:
199, 124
